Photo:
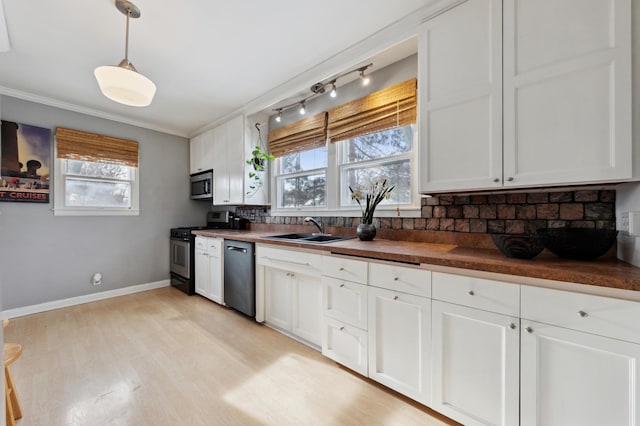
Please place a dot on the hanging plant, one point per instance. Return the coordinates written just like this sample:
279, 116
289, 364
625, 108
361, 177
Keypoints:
258, 161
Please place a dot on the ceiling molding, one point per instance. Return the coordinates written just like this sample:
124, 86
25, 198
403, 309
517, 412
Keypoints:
26, 96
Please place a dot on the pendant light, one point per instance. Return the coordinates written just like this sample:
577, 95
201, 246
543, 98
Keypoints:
122, 83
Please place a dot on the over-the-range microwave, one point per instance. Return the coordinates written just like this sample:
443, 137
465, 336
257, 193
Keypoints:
202, 185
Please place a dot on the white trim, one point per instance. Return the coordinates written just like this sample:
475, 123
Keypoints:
78, 300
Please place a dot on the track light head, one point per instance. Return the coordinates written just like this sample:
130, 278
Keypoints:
279, 116
365, 79
333, 92
303, 109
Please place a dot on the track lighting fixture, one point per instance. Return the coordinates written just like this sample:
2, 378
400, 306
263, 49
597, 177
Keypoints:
365, 79
122, 83
333, 92
320, 88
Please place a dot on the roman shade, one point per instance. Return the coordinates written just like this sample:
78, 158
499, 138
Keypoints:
394, 106
302, 135
79, 145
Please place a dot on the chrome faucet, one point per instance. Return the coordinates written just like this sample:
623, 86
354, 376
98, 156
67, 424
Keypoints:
316, 223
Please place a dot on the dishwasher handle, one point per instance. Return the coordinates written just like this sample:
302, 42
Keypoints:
240, 249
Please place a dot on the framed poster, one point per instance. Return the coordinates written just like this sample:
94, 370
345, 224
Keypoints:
25, 165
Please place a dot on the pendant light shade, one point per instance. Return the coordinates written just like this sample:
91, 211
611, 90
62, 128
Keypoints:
122, 83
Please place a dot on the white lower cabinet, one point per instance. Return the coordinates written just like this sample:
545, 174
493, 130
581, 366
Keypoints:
399, 342
289, 292
579, 359
277, 306
573, 378
475, 365
345, 344
209, 268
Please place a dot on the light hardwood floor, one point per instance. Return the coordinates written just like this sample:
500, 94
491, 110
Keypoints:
163, 358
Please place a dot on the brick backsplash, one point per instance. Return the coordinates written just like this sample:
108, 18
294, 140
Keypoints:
513, 213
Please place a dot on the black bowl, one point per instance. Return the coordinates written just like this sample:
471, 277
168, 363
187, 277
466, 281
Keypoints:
577, 243
518, 246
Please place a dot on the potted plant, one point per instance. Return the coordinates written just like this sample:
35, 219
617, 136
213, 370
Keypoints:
377, 192
258, 162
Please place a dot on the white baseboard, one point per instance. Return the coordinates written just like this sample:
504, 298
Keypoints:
72, 301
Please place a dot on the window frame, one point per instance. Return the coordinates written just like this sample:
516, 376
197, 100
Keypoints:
59, 194
334, 191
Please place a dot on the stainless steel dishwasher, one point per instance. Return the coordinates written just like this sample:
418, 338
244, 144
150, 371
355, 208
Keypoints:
240, 276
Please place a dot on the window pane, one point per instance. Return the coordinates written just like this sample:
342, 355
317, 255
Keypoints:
99, 170
84, 193
302, 191
382, 144
306, 160
397, 173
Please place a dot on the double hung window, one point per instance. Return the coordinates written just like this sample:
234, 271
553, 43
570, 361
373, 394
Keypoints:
95, 174
364, 141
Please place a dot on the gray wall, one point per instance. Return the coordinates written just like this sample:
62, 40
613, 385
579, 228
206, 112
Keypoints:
45, 258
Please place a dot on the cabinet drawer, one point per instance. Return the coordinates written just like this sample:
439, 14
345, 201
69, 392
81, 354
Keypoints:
345, 344
488, 295
345, 301
604, 316
400, 278
345, 269
291, 260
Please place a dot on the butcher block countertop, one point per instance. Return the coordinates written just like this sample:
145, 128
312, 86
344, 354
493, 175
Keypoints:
608, 272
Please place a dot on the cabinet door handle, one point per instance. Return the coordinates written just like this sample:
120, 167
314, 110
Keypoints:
471, 293
341, 269
512, 326
510, 179
341, 285
496, 180
529, 330
292, 275
395, 297
583, 314
341, 327
396, 278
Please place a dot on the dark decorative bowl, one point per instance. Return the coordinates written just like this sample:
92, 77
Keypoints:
518, 246
577, 243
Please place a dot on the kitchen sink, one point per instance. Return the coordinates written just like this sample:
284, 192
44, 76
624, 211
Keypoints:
308, 238
290, 236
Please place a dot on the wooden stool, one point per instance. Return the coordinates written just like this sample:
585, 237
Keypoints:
12, 352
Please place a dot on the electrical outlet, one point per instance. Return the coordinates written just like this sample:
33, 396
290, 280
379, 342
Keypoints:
96, 279
623, 224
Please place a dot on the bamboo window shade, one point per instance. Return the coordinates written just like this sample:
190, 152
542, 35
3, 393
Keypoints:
79, 145
305, 134
394, 106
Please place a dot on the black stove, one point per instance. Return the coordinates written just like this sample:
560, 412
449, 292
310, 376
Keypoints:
182, 249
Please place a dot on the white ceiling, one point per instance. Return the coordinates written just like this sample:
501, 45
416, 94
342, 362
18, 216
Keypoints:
208, 58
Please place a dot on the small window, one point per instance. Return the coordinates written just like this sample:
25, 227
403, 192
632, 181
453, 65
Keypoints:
386, 154
301, 181
104, 185
95, 175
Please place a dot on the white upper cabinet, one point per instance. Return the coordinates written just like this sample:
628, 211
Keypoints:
201, 152
567, 91
225, 149
525, 93
460, 69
